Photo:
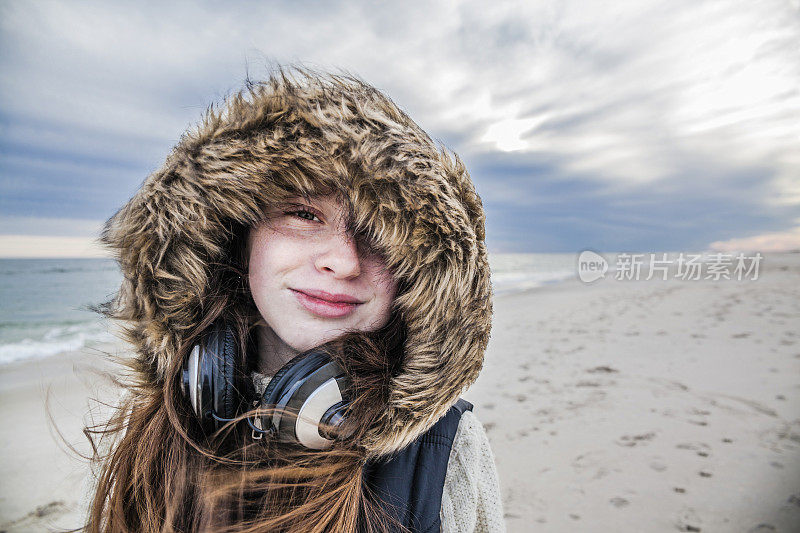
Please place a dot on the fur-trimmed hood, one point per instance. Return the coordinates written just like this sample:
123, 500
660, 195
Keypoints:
304, 133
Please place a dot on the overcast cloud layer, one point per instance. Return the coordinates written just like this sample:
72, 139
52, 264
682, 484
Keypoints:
631, 126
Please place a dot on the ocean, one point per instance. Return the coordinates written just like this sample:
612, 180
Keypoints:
45, 303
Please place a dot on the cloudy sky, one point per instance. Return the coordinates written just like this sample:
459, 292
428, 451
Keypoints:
615, 126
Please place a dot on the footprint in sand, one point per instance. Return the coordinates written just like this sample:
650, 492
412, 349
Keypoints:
784, 437
634, 440
670, 384
603, 369
700, 448
619, 502
588, 383
688, 520
762, 528
32, 521
794, 500
755, 406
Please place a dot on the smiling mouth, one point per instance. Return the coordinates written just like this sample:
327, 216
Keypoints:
326, 305
328, 297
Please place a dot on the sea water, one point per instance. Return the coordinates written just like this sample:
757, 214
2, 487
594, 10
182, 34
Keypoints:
45, 305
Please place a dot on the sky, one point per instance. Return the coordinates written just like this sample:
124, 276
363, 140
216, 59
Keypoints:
614, 126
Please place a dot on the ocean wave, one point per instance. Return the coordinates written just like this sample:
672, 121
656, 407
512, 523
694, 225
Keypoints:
505, 282
56, 340
45, 325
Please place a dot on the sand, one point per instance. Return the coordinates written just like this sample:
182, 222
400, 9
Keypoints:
41, 478
644, 406
648, 406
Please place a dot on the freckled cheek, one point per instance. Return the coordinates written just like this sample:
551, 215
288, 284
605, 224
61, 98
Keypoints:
385, 286
384, 279
389, 289
259, 283
386, 294
275, 255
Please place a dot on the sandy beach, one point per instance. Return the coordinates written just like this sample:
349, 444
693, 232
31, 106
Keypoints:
643, 406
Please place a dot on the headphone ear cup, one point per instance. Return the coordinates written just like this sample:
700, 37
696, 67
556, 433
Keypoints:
230, 398
271, 394
205, 388
227, 390
190, 379
307, 386
212, 381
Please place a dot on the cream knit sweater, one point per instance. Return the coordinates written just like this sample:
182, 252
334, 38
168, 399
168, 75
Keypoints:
471, 497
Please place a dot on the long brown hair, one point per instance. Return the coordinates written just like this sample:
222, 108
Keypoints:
160, 473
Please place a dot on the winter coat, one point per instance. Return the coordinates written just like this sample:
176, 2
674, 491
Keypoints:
307, 135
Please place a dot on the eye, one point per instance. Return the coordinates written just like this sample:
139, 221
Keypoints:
304, 214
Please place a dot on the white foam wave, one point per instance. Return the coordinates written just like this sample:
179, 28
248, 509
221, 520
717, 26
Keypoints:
504, 282
56, 340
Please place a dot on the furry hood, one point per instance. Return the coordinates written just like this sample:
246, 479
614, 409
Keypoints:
302, 133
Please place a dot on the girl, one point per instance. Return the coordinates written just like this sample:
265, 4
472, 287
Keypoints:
307, 290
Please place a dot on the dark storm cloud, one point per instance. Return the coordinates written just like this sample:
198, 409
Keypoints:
647, 125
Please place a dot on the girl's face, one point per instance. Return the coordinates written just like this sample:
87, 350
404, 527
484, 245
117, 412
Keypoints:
308, 279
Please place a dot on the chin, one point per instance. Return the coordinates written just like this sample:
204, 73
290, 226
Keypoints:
307, 342
303, 333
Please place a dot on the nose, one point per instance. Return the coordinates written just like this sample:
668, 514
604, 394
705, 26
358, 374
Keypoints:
340, 257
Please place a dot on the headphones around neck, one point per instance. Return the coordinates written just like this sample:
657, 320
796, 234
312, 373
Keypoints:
309, 395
